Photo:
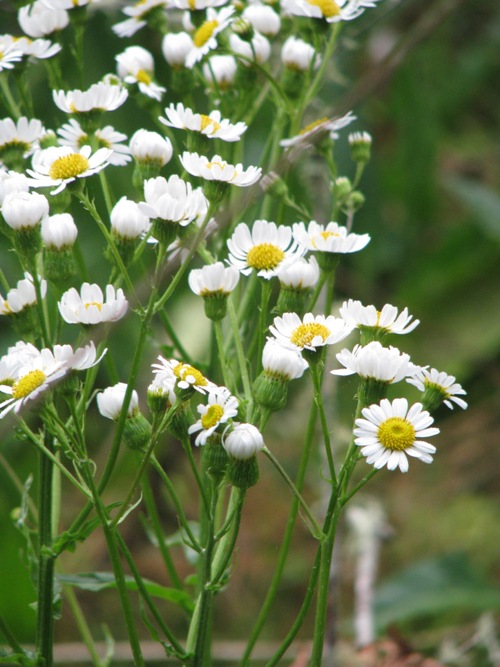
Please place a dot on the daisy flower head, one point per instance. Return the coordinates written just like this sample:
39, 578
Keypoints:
377, 323
281, 362
11, 181
263, 19
110, 401
329, 242
90, 306
220, 172
213, 279
72, 134
265, 248
205, 37
258, 49
331, 11
22, 296
58, 166
299, 56
24, 210
243, 442
212, 125
141, 12
59, 231
9, 56
360, 144
376, 362
317, 129
99, 97
310, 333
38, 20
438, 387
150, 148
221, 407
187, 378
135, 65
33, 378
128, 222
175, 47
296, 278
19, 139
220, 72
390, 432
80, 359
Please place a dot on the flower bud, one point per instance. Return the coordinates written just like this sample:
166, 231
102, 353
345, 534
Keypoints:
360, 144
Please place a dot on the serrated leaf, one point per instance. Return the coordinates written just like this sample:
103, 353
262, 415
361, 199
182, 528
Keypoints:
99, 581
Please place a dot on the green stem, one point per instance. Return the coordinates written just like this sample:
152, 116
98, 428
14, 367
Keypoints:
317, 290
285, 542
13, 643
158, 532
82, 625
226, 546
9, 98
240, 354
46, 562
317, 376
311, 521
222, 357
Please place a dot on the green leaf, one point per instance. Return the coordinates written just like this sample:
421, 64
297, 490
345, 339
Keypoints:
434, 587
99, 581
483, 202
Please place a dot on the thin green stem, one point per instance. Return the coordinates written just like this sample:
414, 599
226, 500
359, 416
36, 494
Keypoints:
317, 376
7, 633
222, 357
8, 97
240, 355
226, 546
82, 625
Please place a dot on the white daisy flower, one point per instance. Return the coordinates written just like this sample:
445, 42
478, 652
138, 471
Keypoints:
175, 47
263, 19
135, 65
59, 231
333, 238
22, 210
298, 55
139, 13
218, 169
23, 136
302, 274
221, 407
58, 166
33, 378
99, 97
388, 432
220, 71
330, 125
266, 248
376, 362
110, 401
310, 332
38, 20
258, 49
150, 148
184, 375
213, 279
212, 126
68, 4
330, 10
173, 200
382, 321
34, 48
281, 362
127, 220
243, 442
22, 296
11, 181
195, 5
205, 37
71, 134
9, 56
438, 387
90, 306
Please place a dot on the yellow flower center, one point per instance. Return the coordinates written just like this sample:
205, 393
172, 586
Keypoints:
68, 166
305, 333
7, 308
27, 384
212, 416
204, 32
206, 121
192, 5
324, 235
315, 124
396, 433
143, 77
181, 370
328, 8
93, 303
264, 256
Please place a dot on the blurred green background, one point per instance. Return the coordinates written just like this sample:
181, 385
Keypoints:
433, 210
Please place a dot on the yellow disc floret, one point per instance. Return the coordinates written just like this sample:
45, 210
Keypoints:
68, 166
182, 370
396, 433
265, 256
328, 8
143, 77
212, 416
204, 32
304, 334
93, 303
313, 126
27, 384
206, 121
